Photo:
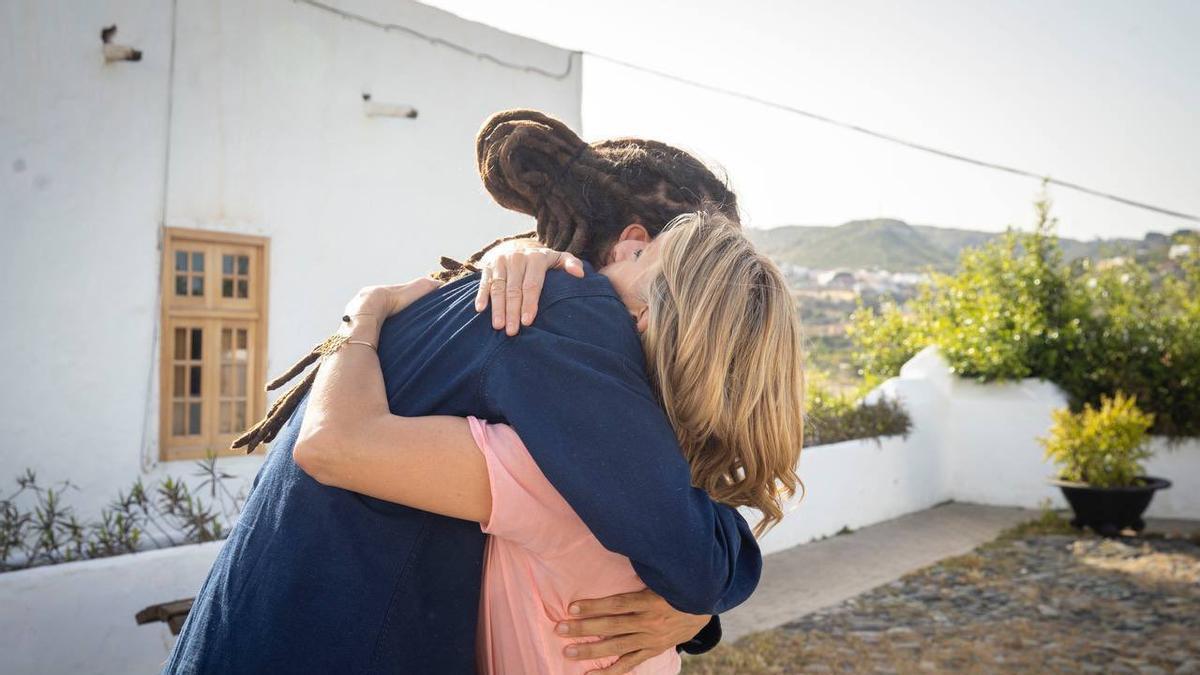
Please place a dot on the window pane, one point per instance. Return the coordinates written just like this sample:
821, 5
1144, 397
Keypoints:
227, 288
181, 261
226, 423
239, 416
181, 284
226, 344
241, 380
226, 380
226, 264
197, 285
179, 376
242, 343
243, 289
177, 419
197, 262
197, 340
195, 381
243, 262
180, 343
194, 419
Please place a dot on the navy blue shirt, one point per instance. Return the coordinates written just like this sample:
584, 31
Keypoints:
319, 579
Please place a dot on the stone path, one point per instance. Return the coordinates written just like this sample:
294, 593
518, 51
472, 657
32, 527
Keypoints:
1040, 599
806, 578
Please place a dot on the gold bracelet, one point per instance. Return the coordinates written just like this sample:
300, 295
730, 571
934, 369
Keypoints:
334, 342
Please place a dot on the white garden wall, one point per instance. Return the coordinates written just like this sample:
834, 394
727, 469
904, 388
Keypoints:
860, 482
853, 484
1180, 465
990, 446
970, 443
79, 617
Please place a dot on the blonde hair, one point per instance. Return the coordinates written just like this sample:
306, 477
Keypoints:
723, 348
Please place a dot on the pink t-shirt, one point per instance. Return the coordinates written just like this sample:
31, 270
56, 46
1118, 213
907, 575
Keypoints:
540, 558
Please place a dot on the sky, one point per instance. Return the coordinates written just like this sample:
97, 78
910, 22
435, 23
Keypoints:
1097, 92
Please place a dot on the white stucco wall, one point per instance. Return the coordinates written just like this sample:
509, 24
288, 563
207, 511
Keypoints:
970, 443
267, 137
79, 617
853, 484
861, 482
989, 450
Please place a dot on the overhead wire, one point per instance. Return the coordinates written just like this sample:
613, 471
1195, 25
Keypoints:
442, 42
753, 98
895, 139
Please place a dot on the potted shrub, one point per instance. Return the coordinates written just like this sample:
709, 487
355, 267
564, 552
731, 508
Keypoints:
1100, 454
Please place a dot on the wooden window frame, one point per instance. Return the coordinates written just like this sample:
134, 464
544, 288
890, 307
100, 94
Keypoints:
212, 312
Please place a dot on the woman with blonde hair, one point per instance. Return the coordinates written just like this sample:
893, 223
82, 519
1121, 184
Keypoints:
722, 344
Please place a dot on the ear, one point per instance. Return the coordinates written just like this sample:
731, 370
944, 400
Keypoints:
635, 231
643, 319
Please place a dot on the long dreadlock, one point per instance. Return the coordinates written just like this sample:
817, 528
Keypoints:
581, 195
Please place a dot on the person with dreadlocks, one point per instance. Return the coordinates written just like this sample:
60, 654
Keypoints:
314, 578
722, 342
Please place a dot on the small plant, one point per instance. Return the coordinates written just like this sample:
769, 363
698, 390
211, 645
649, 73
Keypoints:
1048, 521
1102, 447
832, 417
38, 527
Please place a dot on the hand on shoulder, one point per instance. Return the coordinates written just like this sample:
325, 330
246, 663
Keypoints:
513, 277
380, 302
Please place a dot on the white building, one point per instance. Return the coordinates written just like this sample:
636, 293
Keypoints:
232, 171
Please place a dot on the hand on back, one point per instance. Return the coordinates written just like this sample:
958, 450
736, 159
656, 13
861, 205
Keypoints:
380, 302
513, 276
633, 626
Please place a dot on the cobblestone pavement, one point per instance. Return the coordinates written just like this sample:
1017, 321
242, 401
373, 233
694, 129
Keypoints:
1036, 600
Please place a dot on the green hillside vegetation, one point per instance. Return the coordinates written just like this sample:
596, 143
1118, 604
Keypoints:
896, 246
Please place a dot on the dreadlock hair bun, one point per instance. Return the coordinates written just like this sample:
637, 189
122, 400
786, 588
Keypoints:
524, 159
583, 195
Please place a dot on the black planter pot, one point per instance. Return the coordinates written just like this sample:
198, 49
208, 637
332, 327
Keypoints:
1108, 511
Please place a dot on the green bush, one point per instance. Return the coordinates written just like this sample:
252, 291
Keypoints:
1014, 309
883, 341
1143, 339
1102, 447
833, 418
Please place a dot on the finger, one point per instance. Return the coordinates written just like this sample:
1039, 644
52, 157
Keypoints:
401, 296
512, 299
496, 292
603, 626
419, 288
531, 289
626, 663
572, 265
485, 287
615, 646
614, 604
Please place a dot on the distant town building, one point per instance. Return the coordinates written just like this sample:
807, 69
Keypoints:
837, 278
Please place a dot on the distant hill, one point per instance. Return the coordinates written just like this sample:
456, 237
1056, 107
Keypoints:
896, 246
